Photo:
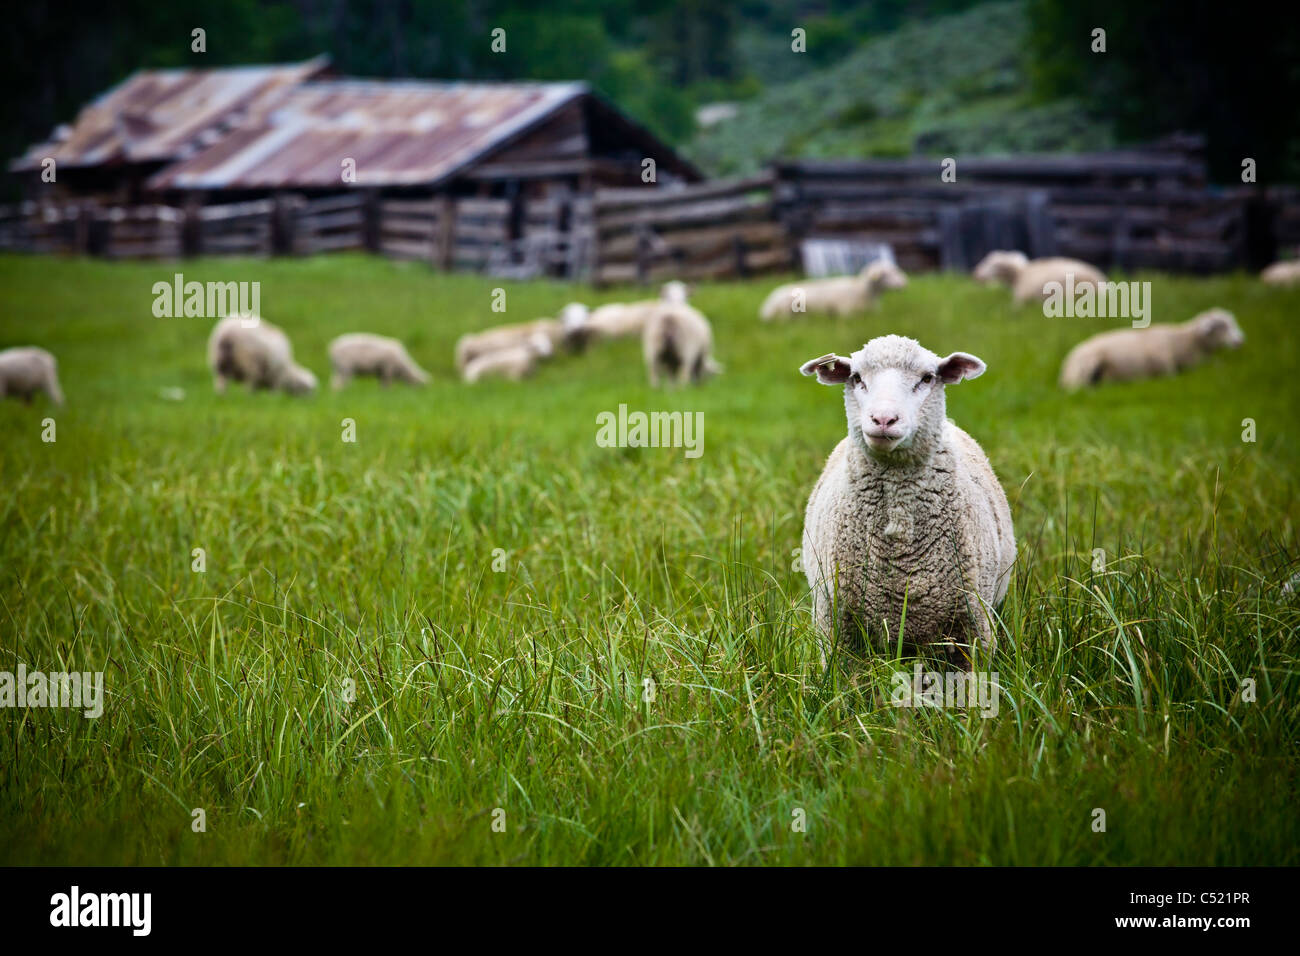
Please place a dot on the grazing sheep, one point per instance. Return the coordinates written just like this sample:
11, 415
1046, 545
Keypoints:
246, 348
908, 509
514, 362
361, 353
27, 370
1028, 277
568, 331
1284, 273
620, 320
678, 341
839, 296
1127, 354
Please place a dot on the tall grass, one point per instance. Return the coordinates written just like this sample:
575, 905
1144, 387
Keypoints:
353, 680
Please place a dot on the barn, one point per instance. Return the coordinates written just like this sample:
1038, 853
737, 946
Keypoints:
294, 159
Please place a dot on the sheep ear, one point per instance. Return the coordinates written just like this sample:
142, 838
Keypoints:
830, 369
960, 365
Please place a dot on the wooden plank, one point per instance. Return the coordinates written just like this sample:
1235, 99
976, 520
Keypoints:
652, 194
705, 212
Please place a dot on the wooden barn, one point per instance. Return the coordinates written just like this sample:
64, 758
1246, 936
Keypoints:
290, 159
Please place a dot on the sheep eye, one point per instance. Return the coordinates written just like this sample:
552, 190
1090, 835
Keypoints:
855, 379
927, 378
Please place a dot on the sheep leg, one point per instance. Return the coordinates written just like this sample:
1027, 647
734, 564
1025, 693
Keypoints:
339, 379
219, 384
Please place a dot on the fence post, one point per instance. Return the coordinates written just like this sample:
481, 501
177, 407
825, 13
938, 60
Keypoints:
739, 246
642, 256
446, 250
370, 221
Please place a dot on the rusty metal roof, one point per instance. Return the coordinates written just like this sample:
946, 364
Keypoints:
162, 115
397, 133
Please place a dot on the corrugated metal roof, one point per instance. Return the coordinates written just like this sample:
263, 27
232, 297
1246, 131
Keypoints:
397, 133
161, 115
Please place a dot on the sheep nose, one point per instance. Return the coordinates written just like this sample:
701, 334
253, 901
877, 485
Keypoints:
883, 419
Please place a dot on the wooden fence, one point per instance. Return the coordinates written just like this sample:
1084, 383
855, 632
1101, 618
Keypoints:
716, 229
1125, 209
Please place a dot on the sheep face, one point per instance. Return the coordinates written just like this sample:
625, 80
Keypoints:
1218, 329
675, 292
299, 381
885, 276
893, 392
1000, 266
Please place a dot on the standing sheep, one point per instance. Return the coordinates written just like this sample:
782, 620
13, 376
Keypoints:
1028, 278
27, 370
907, 529
568, 331
621, 320
514, 362
246, 348
1285, 273
1127, 354
678, 341
840, 296
361, 353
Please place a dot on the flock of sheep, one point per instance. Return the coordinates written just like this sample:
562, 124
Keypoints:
907, 525
677, 339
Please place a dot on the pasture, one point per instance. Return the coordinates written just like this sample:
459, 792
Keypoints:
455, 615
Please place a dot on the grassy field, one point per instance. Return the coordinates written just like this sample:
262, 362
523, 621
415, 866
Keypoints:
522, 689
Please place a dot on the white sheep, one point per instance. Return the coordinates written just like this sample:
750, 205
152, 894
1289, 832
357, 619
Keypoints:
839, 296
908, 509
247, 348
1285, 273
513, 362
1123, 355
624, 319
360, 353
678, 341
26, 370
1028, 278
568, 331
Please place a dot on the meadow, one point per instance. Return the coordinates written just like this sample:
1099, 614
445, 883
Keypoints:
432, 645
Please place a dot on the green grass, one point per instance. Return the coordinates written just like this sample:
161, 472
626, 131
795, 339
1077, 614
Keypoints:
521, 689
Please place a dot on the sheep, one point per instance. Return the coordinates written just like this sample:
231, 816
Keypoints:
1285, 273
514, 362
1029, 277
678, 341
907, 530
620, 320
361, 353
1126, 354
247, 348
568, 331
26, 370
839, 296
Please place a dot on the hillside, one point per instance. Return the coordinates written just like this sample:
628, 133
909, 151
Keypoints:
956, 84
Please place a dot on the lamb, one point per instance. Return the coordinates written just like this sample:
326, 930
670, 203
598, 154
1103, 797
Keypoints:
247, 348
514, 362
361, 353
621, 320
1028, 278
907, 530
839, 296
26, 370
568, 331
1285, 273
1127, 354
678, 341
